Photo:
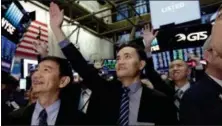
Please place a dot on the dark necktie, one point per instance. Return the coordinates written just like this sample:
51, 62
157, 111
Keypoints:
43, 118
178, 96
124, 108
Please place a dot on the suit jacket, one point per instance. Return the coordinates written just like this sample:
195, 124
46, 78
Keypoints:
71, 96
66, 116
155, 107
202, 104
159, 84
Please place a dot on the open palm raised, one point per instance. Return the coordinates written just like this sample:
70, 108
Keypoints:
148, 34
56, 15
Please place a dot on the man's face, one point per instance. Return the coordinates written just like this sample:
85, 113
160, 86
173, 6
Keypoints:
128, 63
46, 77
217, 33
214, 60
178, 70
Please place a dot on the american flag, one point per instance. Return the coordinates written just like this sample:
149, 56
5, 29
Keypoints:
26, 47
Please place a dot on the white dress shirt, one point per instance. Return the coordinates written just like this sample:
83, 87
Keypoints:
52, 113
84, 99
184, 88
216, 80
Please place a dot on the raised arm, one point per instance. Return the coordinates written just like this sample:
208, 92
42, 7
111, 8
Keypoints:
76, 59
148, 36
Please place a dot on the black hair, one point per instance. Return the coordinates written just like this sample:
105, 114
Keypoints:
140, 51
65, 68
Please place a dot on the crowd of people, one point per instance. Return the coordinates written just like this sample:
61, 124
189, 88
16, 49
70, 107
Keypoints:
125, 100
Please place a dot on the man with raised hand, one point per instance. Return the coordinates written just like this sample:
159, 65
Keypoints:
123, 102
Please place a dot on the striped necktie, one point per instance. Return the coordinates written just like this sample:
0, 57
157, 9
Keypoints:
124, 108
178, 96
43, 118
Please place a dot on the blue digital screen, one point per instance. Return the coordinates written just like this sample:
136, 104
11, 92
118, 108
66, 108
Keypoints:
16, 68
184, 53
161, 60
14, 15
15, 20
109, 64
8, 52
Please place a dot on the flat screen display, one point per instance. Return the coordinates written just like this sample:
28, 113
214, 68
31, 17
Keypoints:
109, 64
167, 12
184, 53
8, 51
16, 68
15, 20
161, 60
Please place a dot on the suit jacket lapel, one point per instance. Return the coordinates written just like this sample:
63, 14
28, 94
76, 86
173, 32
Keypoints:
145, 111
214, 85
27, 115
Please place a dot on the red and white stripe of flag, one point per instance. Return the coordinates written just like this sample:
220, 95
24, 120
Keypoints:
26, 47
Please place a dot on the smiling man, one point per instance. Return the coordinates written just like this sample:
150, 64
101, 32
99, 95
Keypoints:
50, 77
120, 102
179, 72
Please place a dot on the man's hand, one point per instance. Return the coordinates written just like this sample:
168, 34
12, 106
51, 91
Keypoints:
56, 16
148, 36
56, 19
216, 33
41, 48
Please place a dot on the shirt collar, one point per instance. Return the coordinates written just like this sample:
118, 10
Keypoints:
184, 87
50, 109
216, 80
88, 91
134, 87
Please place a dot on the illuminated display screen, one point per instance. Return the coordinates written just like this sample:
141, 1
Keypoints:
15, 20
183, 53
161, 60
8, 52
109, 64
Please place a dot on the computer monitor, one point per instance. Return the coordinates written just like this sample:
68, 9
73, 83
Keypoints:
8, 51
161, 60
177, 12
15, 20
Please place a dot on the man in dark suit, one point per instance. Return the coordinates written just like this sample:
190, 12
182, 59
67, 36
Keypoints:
123, 102
202, 104
179, 72
50, 77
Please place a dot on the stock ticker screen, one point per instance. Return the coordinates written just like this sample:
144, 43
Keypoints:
161, 60
184, 53
8, 51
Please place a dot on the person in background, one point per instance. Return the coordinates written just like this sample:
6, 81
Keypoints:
202, 104
124, 102
50, 77
179, 72
8, 86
